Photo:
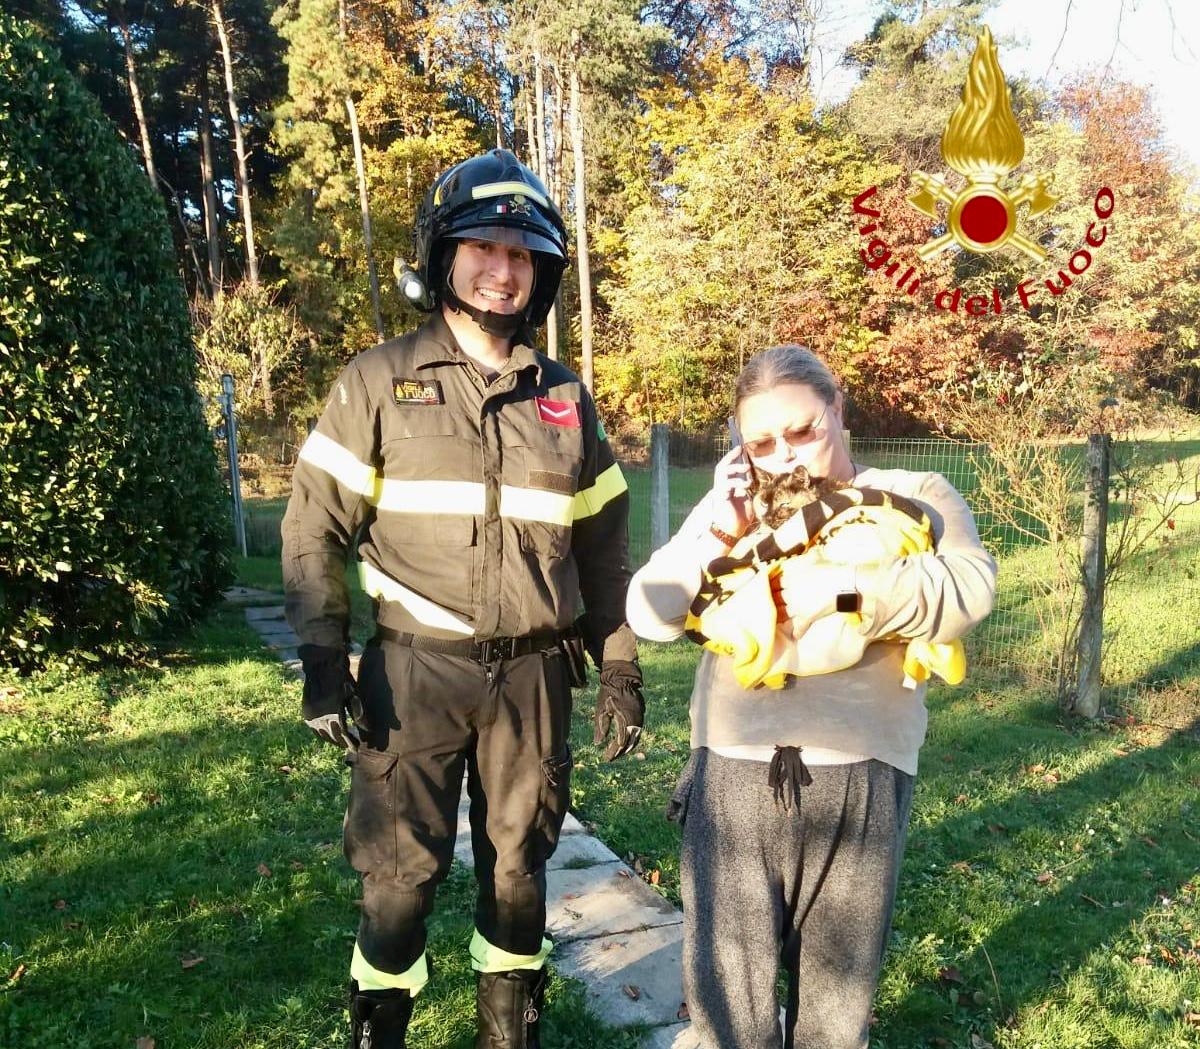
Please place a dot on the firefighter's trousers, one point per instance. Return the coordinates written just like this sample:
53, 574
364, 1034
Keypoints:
432, 716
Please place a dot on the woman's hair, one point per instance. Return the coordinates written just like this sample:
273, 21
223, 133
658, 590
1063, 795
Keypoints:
781, 365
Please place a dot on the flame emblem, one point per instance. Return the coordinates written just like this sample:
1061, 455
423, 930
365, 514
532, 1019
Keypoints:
983, 144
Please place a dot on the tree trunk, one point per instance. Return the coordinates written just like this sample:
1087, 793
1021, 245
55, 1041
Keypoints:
239, 145
540, 96
498, 113
212, 221
136, 95
187, 237
582, 266
531, 142
365, 207
559, 123
364, 200
243, 178
544, 174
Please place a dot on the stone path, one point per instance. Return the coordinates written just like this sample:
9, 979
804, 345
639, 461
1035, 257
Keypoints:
612, 932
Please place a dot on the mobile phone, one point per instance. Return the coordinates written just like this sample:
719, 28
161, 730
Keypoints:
735, 439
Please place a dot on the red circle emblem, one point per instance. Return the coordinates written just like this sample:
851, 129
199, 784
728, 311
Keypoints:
983, 219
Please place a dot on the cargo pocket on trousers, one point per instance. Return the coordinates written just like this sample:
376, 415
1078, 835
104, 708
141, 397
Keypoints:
369, 829
552, 808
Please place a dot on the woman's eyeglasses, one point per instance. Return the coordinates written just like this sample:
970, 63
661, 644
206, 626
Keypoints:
796, 437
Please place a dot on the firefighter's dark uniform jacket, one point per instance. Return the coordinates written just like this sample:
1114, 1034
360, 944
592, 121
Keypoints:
483, 511
488, 508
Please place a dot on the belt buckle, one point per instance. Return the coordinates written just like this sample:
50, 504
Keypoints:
496, 649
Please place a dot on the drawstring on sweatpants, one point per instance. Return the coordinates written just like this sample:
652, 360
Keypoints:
787, 775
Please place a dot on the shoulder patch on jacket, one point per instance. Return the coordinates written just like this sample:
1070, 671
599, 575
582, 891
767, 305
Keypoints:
417, 391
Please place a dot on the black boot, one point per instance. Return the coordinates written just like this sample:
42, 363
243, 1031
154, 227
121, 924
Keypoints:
379, 1019
508, 1007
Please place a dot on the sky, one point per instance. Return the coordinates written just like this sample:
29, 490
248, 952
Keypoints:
1155, 43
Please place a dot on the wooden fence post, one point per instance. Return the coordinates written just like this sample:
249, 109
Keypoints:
660, 485
1091, 623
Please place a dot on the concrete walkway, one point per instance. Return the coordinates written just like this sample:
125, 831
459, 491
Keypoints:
612, 932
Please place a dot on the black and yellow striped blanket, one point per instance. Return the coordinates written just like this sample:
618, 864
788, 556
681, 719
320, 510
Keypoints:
735, 613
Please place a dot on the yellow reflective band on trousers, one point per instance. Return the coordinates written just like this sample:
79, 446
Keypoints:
340, 463
369, 978
608, 486
536, 504
430, 497
384, 587
488, 958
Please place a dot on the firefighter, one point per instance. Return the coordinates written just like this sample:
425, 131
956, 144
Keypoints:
474, 476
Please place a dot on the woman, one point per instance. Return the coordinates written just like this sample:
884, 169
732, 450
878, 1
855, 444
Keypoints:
811, 884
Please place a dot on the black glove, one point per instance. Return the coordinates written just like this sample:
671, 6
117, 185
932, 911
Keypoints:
329, 694
620, 701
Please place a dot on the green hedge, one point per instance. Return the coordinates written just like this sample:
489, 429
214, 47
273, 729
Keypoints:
112, 514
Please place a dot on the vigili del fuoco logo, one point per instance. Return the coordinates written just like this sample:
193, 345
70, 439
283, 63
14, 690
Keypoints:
983, 143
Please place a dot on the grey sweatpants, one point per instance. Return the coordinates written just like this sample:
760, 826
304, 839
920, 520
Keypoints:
813, 888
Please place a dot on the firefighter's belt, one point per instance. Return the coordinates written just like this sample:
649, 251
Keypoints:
492, 650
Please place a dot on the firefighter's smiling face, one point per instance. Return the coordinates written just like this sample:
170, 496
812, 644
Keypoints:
791, 425
492, 275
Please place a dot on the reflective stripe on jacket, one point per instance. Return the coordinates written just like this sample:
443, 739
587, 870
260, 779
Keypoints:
484, 508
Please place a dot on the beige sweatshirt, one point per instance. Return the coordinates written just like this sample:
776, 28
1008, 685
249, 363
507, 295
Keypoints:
865, 709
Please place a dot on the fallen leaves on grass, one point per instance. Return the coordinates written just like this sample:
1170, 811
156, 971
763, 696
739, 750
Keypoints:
979, 1042
1045, 877
17, 973
145, 1042
264, 870
191, 962
951, 974
60, 905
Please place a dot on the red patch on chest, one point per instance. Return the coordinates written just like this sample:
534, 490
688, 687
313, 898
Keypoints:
558, 413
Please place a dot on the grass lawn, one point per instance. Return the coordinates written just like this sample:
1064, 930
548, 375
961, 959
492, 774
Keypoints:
171, 866
1064, 858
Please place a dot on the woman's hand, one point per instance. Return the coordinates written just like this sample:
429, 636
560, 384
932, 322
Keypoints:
806, 590
732, 506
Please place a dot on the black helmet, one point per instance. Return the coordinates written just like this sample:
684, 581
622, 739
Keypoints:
491, 197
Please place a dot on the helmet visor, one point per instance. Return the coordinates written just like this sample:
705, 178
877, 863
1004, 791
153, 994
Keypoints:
515, 235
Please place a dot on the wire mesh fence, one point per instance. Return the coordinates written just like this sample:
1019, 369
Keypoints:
1151, 609
1151, 651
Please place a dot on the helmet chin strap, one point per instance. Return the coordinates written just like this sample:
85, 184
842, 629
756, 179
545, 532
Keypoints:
500, 325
